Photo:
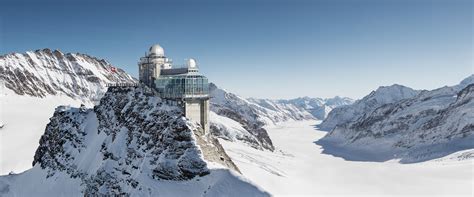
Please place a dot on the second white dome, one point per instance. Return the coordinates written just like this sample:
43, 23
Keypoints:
192, 63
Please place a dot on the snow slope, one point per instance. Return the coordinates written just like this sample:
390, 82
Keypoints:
129, 144
430, 125
35, 84
250, 116
383, 95
299, 168
26, 118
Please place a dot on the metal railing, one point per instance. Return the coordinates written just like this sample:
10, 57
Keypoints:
122, 85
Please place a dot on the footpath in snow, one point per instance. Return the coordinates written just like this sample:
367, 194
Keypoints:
298, 167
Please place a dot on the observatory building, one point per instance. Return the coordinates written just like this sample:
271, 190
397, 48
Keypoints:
180, 85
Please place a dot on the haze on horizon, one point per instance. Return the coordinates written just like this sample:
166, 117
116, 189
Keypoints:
263, 49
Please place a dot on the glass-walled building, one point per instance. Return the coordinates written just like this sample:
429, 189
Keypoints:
182, 86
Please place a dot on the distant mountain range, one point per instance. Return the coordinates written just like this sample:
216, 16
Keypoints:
319, 108
236, 118
397, 122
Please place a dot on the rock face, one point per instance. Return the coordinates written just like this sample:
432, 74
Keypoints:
46, 72
241, 111
125, 145
429, 125
381, 96
135, 131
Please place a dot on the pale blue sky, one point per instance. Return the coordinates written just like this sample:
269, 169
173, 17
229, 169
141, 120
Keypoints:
266, 49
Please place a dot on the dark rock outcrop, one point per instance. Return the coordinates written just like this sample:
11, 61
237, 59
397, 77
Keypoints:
131, 133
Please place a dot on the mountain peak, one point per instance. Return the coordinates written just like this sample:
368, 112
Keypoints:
51, 72
389, 94
392, 87
383, 95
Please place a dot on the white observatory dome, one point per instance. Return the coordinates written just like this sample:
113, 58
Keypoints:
157, 50
192, 63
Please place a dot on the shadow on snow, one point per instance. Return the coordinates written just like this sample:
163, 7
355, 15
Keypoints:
317, 127
404, 155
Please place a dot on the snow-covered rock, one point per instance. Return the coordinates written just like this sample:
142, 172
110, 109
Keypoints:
383, 95
241, 111
46, 72
465, 82
65, 79
429, 125
130, 144
36, 82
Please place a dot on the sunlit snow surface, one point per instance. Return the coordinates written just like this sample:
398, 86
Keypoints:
298, 167
25, 119
220, 182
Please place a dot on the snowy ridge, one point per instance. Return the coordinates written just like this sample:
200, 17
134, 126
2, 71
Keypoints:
238, 111
36, 82
430, 125
300, 107
238, 119
265, 111
45, 72
129, 144
383, 95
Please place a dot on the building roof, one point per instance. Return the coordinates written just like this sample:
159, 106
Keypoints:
157, 50
174, 71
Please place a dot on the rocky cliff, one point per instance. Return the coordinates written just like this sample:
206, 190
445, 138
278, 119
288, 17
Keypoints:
127, 145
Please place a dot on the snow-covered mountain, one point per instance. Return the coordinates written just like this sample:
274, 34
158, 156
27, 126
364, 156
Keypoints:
383, 95
317, 107
39, 81
36, 82
45, 72
236, 118
429, 125
130, 144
